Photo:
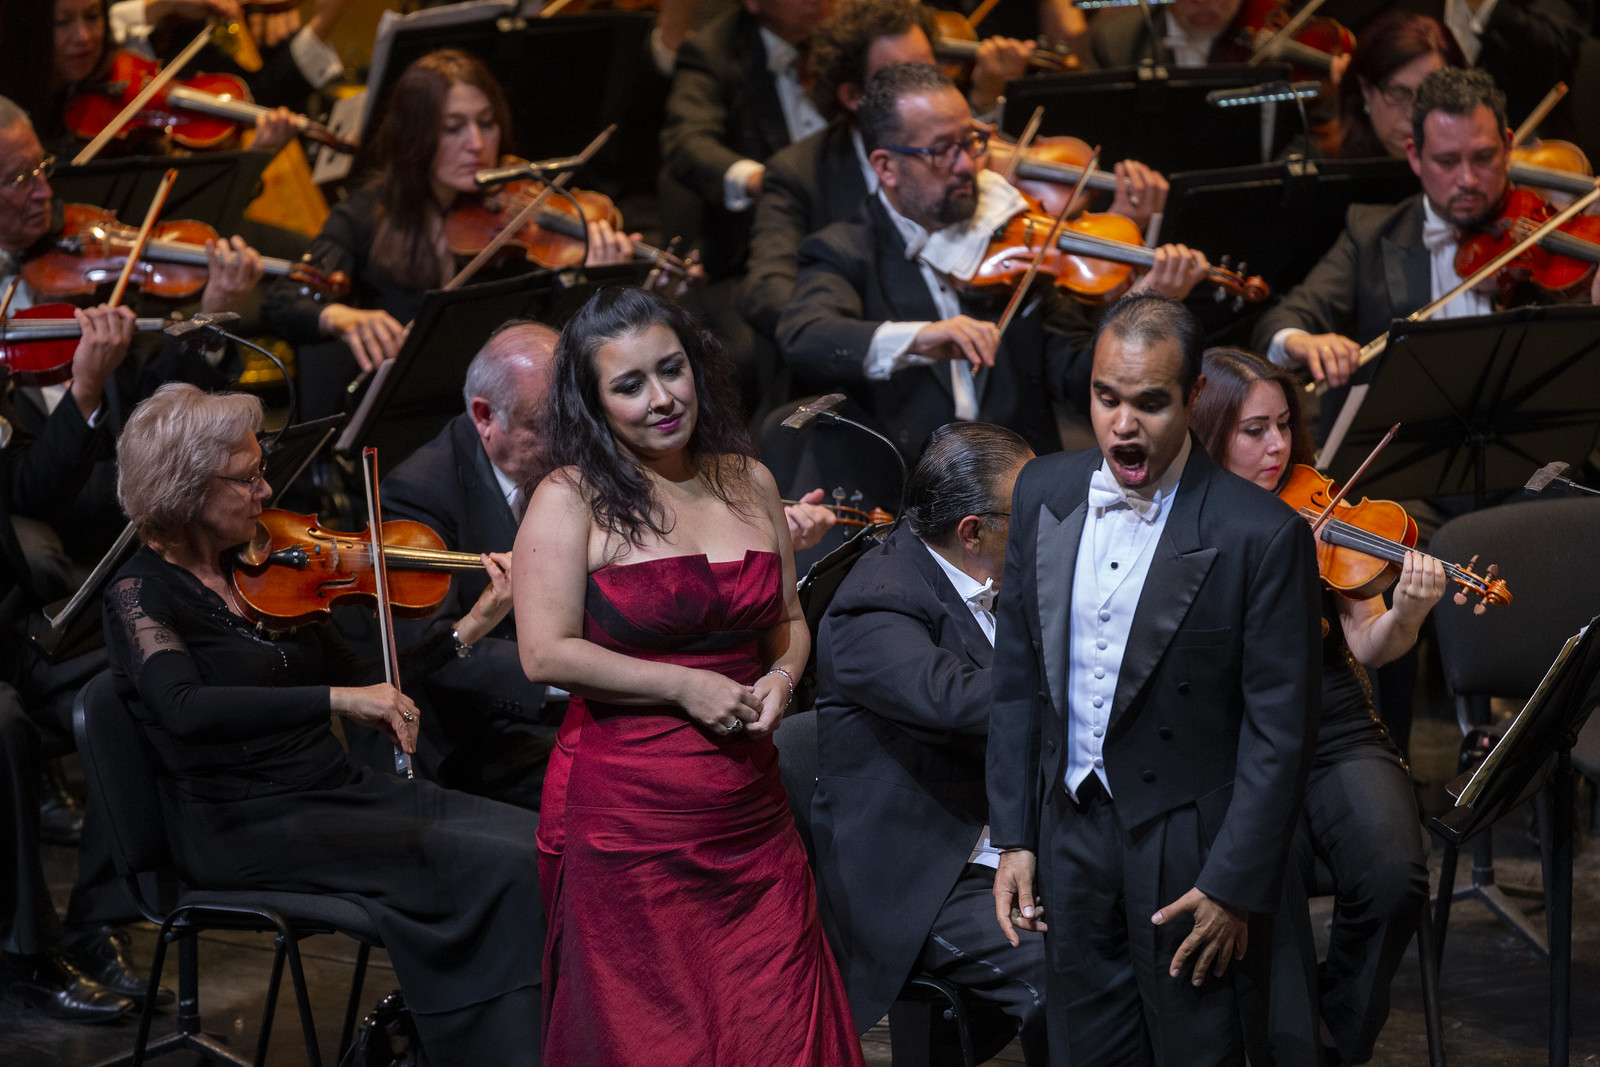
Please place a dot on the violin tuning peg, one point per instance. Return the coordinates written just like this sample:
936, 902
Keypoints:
1480, 608
856, 498
1225, 260
1460, 599
1472, 564
838, 496
1494, 570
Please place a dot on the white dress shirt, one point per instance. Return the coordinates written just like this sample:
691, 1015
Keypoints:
1439, 236
1187, 49
1467, 26
510, 490
800, 115
1113, 561
954, 252
980, 601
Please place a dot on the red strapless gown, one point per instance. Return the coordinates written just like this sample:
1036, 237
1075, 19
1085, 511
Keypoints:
683, 919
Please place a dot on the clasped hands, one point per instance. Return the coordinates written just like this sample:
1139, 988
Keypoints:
721, 704
1220, 935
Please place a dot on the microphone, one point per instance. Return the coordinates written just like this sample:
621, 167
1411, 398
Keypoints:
806, 414
1261, 94
540, 170
180, 327
1552, 472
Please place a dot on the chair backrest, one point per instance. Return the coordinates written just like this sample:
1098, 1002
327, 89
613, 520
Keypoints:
117, 768
1546, 551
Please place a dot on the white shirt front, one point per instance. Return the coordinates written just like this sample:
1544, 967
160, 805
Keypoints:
1113, 561
1439, 236
1187, 49
800, 116
973, 594
1467, 26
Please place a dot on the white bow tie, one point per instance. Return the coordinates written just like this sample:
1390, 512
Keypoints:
781, 58
1106, 492
983, 599
1437, 234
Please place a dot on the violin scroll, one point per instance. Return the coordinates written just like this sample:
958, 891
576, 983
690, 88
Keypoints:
1491, 589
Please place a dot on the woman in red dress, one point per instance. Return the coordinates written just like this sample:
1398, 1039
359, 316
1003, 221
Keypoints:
654, 579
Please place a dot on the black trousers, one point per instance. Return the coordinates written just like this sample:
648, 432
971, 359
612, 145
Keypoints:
1110, 1001
1001, 987
1360, 820
28, 923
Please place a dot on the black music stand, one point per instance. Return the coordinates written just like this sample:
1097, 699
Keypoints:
410, 398
1535, 751
1480, 401
214, 188
565, 79
1243, 212
1157, 115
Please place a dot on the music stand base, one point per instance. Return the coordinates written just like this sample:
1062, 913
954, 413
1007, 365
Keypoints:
1495, 899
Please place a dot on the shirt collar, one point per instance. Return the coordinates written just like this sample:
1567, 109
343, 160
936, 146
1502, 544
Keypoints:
780, 53
967, 587
508, 488
957, 250
1437, 232
1160, 498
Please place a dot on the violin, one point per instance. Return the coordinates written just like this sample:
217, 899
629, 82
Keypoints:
850, 514
1362, 546
37, 343
200, 113
1561, 264
1094, 258
93, 247
294, 571
557, 237
958, 41
1309, 50
1050, 169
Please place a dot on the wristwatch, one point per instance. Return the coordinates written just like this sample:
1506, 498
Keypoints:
463, 650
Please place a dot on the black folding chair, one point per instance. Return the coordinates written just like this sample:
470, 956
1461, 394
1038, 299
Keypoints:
117, 764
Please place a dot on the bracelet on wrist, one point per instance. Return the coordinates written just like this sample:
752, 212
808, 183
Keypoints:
788, 678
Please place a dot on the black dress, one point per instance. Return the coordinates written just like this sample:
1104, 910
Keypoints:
1360, 821
257, 793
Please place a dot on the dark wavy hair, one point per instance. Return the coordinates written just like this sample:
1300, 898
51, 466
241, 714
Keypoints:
1388, 43
27, 63
840, 45
1230, 375
618, 489
403, 247
1456, 92
958, 475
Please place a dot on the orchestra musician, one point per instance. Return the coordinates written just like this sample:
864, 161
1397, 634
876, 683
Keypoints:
824, 178
259, 793
1153, 711
447, 119
1394, 53
904, 660
877, 310
1188, 33
1360, 814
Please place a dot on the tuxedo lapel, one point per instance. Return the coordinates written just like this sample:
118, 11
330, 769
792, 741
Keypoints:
973, 641
1178, 569
1055, 562
761, 90
488, 515
1407, 276
901, 287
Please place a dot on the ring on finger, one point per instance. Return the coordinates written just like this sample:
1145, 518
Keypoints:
408, 716
1133, 201
737, 725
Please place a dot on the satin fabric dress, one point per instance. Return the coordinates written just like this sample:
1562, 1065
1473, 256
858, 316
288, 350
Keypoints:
683, 918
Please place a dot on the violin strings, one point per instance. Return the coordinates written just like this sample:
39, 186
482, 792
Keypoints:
1393, 551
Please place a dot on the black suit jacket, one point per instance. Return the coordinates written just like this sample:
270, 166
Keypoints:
902, 713
723, 107
810, 184
449, 484
1119, 38
854, 276
1216, 700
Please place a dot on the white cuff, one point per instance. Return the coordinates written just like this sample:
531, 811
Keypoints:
736, 184
990, 115
1275, 351
664, 58
888, 351
317, 59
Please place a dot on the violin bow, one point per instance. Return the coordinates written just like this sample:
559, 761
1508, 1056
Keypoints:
1285, 32
380, 573
1374, 348
980, 13
156, 204
1046, 247
512, 228
1322, 520
1028, 134
1537, 115
5, 301
154, 86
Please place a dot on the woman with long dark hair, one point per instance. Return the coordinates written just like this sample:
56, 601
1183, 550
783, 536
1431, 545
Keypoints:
653, 578
1360, 816
1393, 54
445, 119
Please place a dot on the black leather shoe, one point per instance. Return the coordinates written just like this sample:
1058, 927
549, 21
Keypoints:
48, 983
60, 815
103, 956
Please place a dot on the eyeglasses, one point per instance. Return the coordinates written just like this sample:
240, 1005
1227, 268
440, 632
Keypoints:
995, 514
252, 483
19, 182
974, 144
1397, 96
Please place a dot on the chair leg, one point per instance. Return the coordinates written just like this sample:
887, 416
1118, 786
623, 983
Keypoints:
274, 983
353, 1007
1431, 1015
302, 996
148, 1014
189, 1037
1447, 888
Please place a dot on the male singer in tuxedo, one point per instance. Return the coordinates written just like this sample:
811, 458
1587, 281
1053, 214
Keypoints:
1153, 709
904, 865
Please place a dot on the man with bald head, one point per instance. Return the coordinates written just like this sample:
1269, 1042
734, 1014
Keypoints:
467, 483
